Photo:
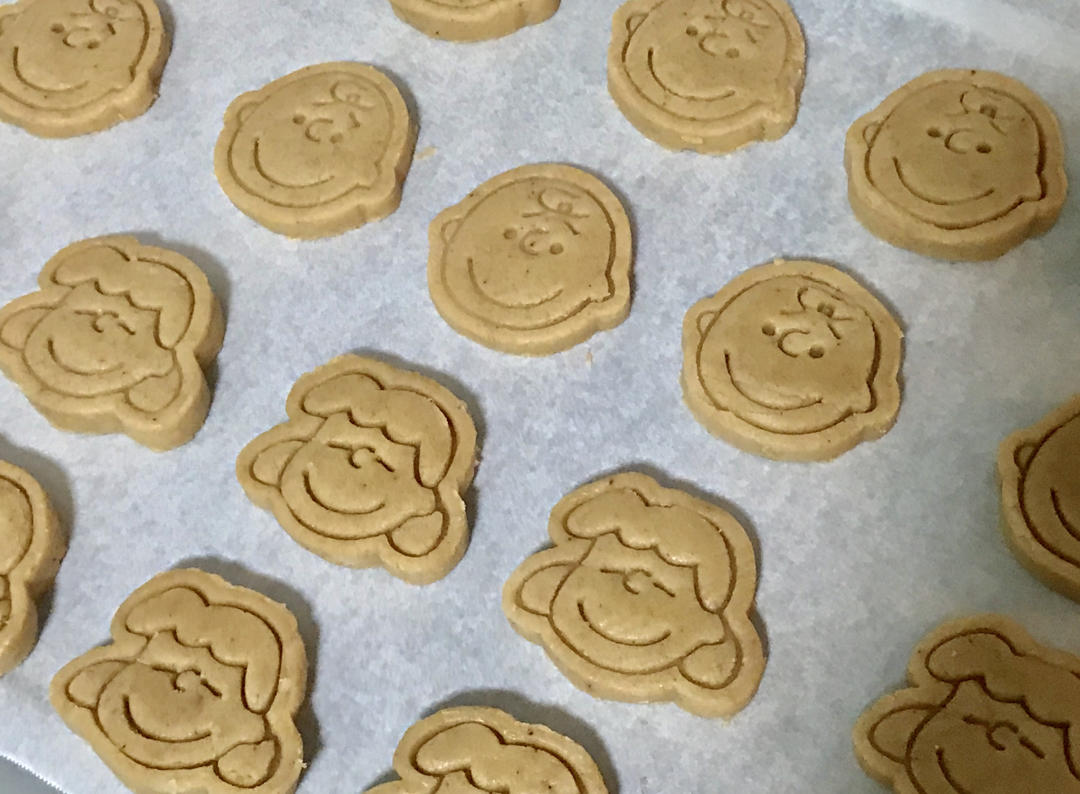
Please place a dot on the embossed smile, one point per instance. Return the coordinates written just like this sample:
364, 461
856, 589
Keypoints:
78, 370
35, 86
291, 185
479, 285
781, 403
730, 92
923, 196
306, 477
637, 643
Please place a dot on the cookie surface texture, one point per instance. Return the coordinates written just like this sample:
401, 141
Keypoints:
645, 596
472, 20
792, 361
369, 469
196, 692
1039, 472
957, 164
989, 711
68, 67
116, 341
475, 750
533, 261
320, 151
707, 75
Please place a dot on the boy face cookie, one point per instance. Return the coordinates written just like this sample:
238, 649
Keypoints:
957, 164
69, 67
472, 20
989, 711
197, 690
645, 596
792, 360
116, 339
709, 75
318, 151
533, 261
369, 469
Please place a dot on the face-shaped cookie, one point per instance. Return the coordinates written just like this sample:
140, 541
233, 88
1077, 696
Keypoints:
957, 164
196, 692
645, 596
532, 261
709, 75
472, 20
1039, 472
792, 360
369, 469
989, 712
68, 67
317, 152
116, 339
474, 750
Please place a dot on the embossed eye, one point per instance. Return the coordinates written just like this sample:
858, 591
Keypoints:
299, 118
817, 351
984, 148
93, 44
691, 31
768, 329
556, 248
56, 27
827, 309
934, 132
336, 137
733, 52
989, 111
510, 234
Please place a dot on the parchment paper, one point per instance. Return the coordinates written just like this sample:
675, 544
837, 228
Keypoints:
858, 557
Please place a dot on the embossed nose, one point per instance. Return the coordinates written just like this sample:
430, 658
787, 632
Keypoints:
960, 141
797, 339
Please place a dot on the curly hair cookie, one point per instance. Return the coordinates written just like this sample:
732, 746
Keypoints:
533, 261
472, 20
116, 340
369, 469
792, 361
1039, 472
475, 750
989, 711
31, 547
708, 75
645, 596
320, 151
196, 693
957, 164
68, 67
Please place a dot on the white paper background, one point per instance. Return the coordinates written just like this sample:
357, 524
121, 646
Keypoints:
858, 558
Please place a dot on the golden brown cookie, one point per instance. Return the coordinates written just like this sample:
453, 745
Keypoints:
31, 547
196, 693
475, 750
369, 469
69, 67
320, 151
116, 340
989, 711
957, 164
472, 20
1039, 472
645, 596
708, 75
533, 261
792, 361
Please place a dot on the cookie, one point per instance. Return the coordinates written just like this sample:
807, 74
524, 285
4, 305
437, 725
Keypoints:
533, 261
792, 361
472, 750
707, 75
31, 547
68, 67
989, 711
472, 20
320, 151
116, 340
1039, 472
369, 469
957, 164
196, 693
645, 596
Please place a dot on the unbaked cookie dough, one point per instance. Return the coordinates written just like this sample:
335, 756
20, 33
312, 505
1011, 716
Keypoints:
793, 361
708, 75
472, 20
645, 596
116, 340
533, 261
957, 164
320, 151
196, 693
68, 67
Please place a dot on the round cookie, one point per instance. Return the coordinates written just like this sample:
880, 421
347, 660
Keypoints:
320, 151
792, 361
472, 20
958, 164
533, 261
708, 75
69, 67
